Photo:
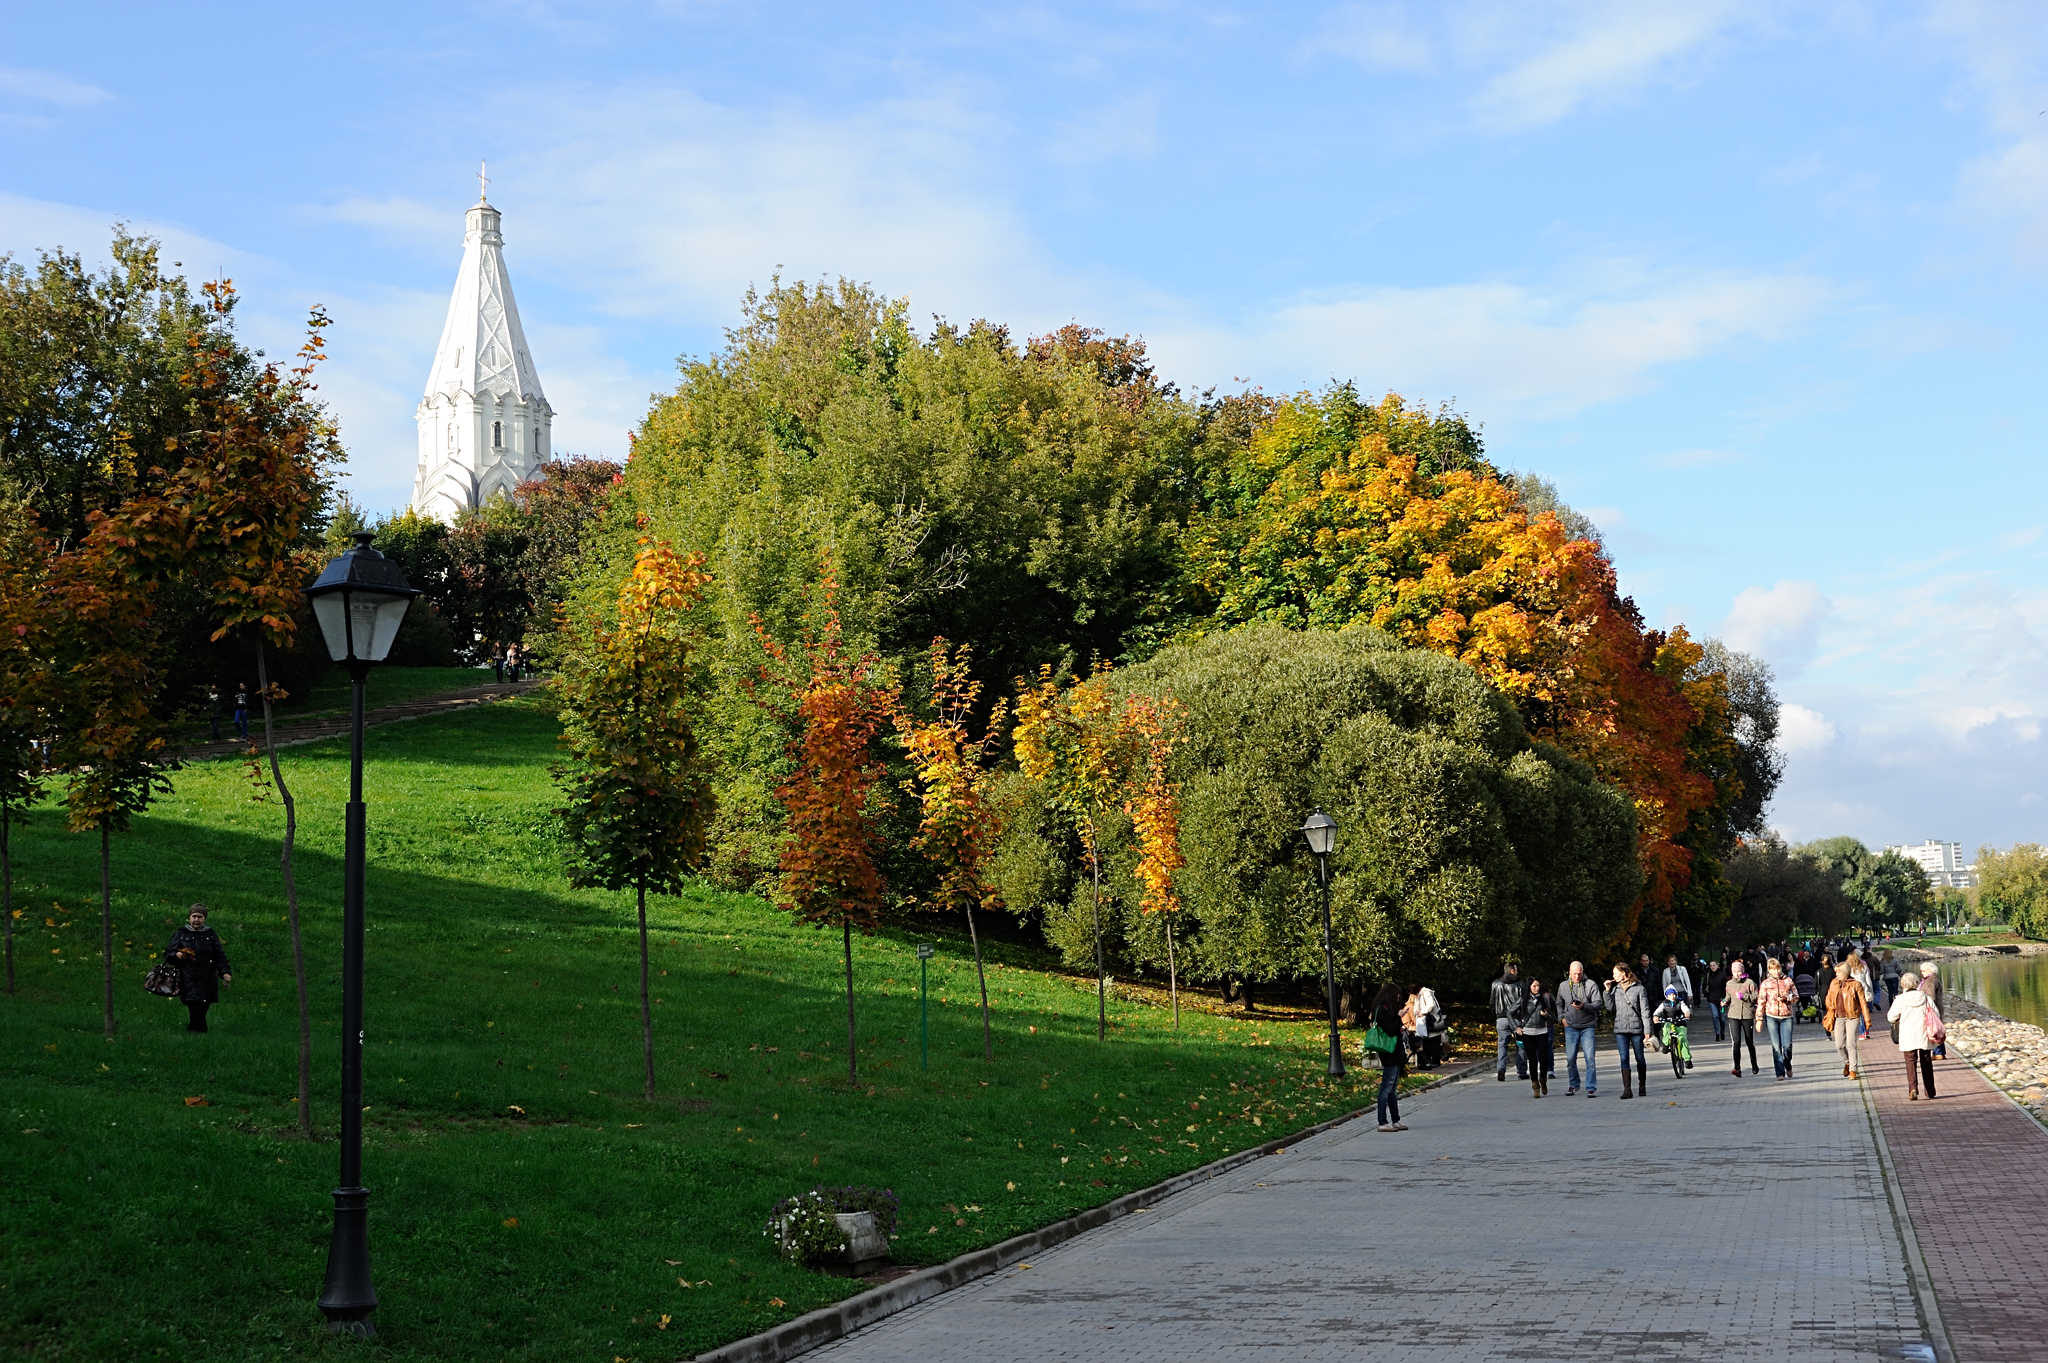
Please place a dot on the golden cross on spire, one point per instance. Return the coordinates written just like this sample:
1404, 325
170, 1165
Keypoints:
482, 181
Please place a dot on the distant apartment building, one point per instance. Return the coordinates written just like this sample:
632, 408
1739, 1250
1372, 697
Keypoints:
1943, 862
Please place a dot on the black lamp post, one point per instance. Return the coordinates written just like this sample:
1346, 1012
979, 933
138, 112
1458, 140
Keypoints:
360, 600
1321, 834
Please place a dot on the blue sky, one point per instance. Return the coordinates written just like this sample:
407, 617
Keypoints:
1760, 287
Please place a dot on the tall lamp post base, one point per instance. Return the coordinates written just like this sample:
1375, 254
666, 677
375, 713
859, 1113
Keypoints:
348, 1298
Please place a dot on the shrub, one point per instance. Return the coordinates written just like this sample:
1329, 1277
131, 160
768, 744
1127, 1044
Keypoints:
803, 1227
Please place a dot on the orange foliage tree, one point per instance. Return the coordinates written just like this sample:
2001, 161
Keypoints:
958, 829
838, 701
639, 788
1338, 512
1154, 809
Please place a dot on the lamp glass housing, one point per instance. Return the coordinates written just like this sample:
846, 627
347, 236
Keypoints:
1321, 833
360, 624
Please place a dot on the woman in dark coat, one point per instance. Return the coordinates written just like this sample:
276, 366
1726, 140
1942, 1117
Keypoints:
1386, 1013
202, 966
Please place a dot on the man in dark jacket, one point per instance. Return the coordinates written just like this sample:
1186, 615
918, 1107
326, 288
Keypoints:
1507, 996
202, 964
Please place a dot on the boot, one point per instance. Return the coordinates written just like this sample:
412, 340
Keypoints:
1626, 1092
1535, 1086
1546, 1085
1643, 1080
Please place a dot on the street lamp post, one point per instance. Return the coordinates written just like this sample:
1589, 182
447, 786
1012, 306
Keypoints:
1320, 831
360, 600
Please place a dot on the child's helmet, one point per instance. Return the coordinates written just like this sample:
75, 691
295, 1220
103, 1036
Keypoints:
1671, 992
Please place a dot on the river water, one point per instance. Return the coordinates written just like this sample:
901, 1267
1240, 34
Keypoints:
2014, 986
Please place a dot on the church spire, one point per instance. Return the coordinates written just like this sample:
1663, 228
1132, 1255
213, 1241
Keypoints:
483, 422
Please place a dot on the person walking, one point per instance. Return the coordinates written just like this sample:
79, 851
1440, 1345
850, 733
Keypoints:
1507, 993
212, 713
202, 966
242, 709
498, 663
1631, 1022
1676, 977
1888, 971
1536, 1018
1716, 998
1579, 1004
1912, 1016
1429, 1028
1386, 1015
1777, 1001
1847, 1016
1738, 997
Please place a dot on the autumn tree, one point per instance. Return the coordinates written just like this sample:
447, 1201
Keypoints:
638, 786
838, 701
1072, 740
21, 719
957, 829
1154, 809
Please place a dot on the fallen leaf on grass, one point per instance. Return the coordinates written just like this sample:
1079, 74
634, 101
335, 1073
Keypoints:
511, 1221
200, 1101
772, 1301
663, 1324
514, 1107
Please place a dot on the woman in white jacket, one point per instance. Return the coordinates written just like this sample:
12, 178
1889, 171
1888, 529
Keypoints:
1914, 1013
1427, 1030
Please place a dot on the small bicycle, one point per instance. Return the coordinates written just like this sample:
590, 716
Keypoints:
1678, 1045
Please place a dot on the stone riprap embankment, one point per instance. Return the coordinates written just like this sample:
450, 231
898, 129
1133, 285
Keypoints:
2012, 1055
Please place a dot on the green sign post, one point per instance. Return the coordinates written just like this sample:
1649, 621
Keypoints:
924, 1003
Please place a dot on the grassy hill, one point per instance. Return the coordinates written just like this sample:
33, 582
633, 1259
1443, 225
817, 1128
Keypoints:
526, 1203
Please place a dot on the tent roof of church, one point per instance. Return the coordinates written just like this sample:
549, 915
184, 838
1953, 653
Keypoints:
483, 347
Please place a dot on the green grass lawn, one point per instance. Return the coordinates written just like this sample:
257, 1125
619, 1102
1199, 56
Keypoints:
389, 686
526, 1202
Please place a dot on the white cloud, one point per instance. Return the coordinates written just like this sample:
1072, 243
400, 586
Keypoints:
1380, 37
1547, 351
1803, 730
1780, 623
50, 88
1610, 49
2004, 51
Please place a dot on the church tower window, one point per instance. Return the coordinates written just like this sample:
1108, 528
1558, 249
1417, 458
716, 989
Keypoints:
497, 435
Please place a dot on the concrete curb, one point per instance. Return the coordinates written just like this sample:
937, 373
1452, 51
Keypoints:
1902, 1225
828, 1323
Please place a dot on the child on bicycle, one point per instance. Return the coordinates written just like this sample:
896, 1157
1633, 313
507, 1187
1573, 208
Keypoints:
1671, 1017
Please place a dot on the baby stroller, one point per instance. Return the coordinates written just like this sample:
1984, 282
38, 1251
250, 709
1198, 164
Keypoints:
1809, 999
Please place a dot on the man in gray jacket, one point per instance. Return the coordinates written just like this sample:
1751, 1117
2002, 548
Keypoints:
1507, 996
1579, 1002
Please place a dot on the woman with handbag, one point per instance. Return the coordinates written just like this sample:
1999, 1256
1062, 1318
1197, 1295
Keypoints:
1536, 1020
1919, 1029
1429, 1028
202, 966
1777, 1001
1383, 1039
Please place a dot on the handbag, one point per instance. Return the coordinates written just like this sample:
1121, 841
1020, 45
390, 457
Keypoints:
1937, 1031
1377, 1039
163, 979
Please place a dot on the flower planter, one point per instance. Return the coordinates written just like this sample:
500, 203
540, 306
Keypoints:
866, 1247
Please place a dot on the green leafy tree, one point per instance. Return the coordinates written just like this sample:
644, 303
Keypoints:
2013, 885
1781, 891
638, 787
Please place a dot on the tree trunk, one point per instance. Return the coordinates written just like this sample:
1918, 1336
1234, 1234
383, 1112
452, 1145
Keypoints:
988, 1045
852, 1042
7, 893
107, 923
646, 1013
1095, 907
291, 902
1172, 975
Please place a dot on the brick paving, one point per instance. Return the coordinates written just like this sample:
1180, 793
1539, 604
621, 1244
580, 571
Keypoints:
1974, 1172
1719, 1219
328, 726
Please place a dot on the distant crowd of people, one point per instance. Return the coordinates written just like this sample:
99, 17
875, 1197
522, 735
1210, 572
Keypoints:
1766, 990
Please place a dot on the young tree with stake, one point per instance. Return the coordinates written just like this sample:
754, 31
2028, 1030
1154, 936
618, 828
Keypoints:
639, 786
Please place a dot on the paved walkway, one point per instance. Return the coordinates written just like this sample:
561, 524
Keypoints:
1974, 1170
327, 726
1720, 1219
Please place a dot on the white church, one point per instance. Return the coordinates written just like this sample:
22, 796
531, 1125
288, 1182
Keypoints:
484, 421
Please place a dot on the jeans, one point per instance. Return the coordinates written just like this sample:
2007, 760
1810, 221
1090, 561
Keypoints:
1578, 1039
1390, 1091
1625, 1045
1743, 1030
1720, 1021
1925, 1061
242, 723
1504, 1032
1845, 1041
1780, 1030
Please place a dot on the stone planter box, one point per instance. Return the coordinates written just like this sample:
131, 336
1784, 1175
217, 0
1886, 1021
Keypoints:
866, 1247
